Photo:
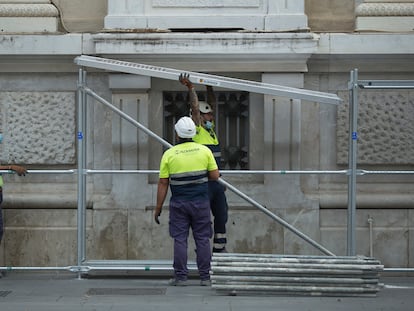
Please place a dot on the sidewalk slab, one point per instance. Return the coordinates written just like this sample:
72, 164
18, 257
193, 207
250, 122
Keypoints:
65, 291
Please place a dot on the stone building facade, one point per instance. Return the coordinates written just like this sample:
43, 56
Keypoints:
311, 44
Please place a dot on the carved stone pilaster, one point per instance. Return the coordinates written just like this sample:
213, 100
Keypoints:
34, 16
385, 15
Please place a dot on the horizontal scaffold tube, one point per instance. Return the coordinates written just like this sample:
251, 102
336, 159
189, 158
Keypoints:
298, 271
41, 172
298, 265
223, 258
291, 279
270, 288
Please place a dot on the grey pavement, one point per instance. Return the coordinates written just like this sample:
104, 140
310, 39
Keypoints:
59, 291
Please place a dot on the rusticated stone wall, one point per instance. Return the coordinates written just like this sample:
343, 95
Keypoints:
38, 127
385, 128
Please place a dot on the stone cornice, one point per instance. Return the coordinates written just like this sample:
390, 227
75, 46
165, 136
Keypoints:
370, 52
24, 1
234, 52
204, 43
28, 10
212, 51
385, 9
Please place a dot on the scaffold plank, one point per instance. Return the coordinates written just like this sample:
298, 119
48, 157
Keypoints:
207, 79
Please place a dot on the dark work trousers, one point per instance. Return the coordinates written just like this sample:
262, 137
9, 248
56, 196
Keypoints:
1, 215
183, 216
219, 209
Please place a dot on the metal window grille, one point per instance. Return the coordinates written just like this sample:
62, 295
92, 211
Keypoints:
231, 118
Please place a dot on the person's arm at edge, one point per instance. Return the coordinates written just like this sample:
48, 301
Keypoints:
162, 191
213, 175
20, 170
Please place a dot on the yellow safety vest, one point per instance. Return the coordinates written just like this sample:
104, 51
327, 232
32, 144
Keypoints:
209, 139
187, 166
205, 137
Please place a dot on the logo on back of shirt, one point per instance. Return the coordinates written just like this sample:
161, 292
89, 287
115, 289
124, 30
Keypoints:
187, 150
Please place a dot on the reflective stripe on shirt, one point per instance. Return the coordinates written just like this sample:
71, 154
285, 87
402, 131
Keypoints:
187, 178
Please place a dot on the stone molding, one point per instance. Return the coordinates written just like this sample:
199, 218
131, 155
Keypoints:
253, 15
385, 9
206, 3
28, 10
214, 51
381, 15
389, 1
24, 1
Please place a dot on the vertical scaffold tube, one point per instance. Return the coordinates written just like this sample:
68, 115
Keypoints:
81, 166
84, 174
352, 161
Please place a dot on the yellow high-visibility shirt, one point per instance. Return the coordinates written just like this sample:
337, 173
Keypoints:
209, 138
187, 166
205, 137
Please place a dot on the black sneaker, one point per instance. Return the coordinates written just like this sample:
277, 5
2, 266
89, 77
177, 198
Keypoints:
175, 282
220, 250
205, 282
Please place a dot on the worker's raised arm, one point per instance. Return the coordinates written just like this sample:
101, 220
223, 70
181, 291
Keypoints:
194, 106
211, 97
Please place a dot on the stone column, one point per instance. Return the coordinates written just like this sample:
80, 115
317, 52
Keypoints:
385, 15
277, 15
28, 16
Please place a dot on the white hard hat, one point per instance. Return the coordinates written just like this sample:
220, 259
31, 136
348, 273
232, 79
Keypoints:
185, 127
204, 107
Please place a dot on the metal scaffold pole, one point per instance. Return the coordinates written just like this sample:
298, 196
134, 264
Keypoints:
352, 161
81, 168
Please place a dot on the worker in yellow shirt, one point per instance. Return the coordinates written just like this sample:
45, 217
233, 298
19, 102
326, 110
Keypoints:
186, 168
202, 114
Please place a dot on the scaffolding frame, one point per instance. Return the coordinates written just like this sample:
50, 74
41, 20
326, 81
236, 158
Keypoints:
84, 266
172, 74
353, 86
352, 172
